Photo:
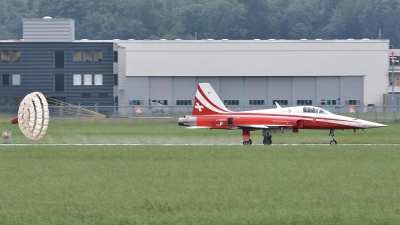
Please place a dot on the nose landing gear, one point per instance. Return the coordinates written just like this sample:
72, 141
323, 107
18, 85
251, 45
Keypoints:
332, 134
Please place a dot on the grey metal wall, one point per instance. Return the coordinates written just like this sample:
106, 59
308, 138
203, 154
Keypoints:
249, 88
37, 70
352, 88
48, 30
279, 88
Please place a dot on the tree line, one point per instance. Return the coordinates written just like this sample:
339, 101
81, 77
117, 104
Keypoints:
211, 19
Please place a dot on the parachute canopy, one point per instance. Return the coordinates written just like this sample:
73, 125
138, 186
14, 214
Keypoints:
33, 116
35, 111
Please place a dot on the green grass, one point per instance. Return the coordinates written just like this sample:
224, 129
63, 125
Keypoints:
210, 184
199, 185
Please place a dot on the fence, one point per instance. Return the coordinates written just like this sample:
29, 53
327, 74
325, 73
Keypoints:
380, 114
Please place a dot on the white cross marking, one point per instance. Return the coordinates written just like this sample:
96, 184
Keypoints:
199, 107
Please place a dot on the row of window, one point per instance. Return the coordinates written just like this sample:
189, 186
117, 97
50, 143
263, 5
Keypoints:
88, 56
7, 80
59, 56
87, 79
78, 79
10, 55
251, 102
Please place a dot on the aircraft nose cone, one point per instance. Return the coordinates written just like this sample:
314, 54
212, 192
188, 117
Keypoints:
369, 124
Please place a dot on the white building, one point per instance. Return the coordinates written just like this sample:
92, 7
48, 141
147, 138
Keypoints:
254, 72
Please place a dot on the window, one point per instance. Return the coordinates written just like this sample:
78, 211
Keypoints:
115, 56
396, 60
59, 82
353, 102
310, 109
328, 102
87, 56
159, 102
98, 79
16, 55
304, 102
59, 59
77, 79
257, 102
85, 95
135, 102
183, 102
5, 79
87, 79
98, 56
231, 102
16, 79
77, 56
5, 56
115, 79
280, 102
103, 95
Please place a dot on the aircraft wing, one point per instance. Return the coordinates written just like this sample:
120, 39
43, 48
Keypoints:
197, 127
259, 126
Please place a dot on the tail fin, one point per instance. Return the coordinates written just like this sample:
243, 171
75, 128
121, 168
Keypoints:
207, 102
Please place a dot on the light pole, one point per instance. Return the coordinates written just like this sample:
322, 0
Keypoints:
392, 80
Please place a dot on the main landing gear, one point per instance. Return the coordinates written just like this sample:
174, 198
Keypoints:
246, 136
332, 134
265, 133
267, 137
249, 142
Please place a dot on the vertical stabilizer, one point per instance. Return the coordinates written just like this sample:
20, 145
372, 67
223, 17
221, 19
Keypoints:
207, 102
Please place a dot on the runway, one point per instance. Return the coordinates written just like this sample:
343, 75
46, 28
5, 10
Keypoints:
138, 144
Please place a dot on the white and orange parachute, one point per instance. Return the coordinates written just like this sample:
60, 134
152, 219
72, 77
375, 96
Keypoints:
35, 111
33, 116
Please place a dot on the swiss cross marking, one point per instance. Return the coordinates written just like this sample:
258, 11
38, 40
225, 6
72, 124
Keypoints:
199, 107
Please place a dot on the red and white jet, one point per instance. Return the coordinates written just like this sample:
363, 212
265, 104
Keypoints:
210, 112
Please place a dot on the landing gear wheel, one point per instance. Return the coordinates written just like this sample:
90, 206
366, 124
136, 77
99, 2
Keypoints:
333, 142
332, 134
267, 137
267, 141
249, 142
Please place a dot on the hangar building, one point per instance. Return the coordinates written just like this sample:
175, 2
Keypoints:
254, 73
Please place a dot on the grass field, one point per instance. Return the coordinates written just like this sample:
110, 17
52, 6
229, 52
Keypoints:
202, 184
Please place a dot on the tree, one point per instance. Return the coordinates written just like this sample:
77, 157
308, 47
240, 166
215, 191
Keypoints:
382, 14
217, 19
260, 20
11, 14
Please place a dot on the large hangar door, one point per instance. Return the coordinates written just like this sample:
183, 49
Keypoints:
279, 88
231, 91
160, 90
352, 88
328, 92
304, 89
256, 89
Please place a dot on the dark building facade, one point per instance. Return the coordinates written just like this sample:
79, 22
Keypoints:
75, 72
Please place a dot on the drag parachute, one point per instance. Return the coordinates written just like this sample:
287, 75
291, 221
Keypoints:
35, 111
33, 116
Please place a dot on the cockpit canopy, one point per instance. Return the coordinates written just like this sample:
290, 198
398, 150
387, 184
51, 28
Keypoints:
312, 109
